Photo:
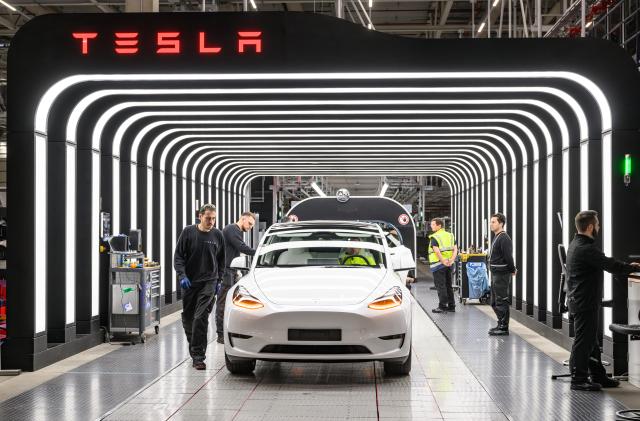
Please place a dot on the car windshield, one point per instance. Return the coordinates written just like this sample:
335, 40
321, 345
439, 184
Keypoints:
323, 235
345, 254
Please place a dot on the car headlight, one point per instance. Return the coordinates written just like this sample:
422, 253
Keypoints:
390, 299
242, 298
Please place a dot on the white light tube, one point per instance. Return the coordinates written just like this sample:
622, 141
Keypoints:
40, 233
318, 189
70, 235
481, 27
253, 4
8, 6
383, 191
95, 237
495, 3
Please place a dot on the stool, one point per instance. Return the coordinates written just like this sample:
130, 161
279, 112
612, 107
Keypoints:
634, 334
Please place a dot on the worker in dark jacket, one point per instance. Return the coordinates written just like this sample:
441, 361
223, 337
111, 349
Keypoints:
585, 278
502, 269
235, 245
199, 262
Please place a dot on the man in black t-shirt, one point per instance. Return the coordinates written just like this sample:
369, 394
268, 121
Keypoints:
199, 262
235, 245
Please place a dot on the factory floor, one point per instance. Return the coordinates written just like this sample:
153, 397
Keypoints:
459, 373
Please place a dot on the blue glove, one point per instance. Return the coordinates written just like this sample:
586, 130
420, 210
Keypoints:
185, 283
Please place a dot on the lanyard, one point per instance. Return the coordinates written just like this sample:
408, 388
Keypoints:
494, 241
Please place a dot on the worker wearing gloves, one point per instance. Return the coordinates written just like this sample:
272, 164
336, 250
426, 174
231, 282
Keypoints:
234, 245
586, 264
502, 268
199, 262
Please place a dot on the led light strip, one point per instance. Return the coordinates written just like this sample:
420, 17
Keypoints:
592, 88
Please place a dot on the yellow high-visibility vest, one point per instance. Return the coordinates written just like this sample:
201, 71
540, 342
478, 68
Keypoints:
355, 260
445, 242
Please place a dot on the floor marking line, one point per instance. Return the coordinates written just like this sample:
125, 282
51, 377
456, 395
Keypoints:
195, 393
247, 398
375, 381
143, 388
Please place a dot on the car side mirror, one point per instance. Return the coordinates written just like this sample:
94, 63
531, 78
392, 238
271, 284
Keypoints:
402, 259
240, 263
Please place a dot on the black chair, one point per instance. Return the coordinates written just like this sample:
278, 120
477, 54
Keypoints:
562, 297
634, 335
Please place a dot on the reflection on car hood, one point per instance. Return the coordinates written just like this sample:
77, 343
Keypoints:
318, 286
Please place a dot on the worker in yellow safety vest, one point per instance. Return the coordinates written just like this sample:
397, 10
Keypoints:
442, 254
356, 256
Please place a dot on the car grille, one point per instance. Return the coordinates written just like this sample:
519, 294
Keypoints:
315, 349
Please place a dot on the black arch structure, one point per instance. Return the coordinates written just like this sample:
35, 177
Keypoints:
527, 127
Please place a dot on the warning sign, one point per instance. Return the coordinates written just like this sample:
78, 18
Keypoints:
404, 219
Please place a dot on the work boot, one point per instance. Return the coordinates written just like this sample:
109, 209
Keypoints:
586, 386
607, 382
501, 330
199, 365
220, 339
493, 329
452, 308
439, 310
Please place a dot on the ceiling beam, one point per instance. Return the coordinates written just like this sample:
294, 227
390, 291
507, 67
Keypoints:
446, 9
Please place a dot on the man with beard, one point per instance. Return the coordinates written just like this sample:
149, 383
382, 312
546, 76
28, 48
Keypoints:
199, 262
586, 264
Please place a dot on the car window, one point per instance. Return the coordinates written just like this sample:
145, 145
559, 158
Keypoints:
322, 235
353, 254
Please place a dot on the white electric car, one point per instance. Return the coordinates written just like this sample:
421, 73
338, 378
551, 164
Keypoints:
324, 291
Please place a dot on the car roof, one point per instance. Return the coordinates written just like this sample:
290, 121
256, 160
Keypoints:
301, 225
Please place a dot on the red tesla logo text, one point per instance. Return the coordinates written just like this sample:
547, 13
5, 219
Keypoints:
128, 43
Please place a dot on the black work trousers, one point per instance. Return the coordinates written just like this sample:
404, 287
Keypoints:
443, 279
228, 281
585, 352
197, 303
500, 299
221, 298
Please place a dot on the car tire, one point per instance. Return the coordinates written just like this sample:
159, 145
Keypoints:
240, 366
398, 369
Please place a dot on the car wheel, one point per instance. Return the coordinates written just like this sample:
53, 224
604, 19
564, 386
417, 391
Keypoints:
404, 368
240, 366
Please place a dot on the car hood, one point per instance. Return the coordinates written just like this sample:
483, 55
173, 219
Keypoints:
315, 286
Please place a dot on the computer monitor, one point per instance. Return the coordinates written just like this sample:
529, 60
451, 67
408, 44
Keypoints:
135, 240
119, 243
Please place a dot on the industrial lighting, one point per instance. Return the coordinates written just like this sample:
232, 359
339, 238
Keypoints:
481, 27
603, 116
318, 189
627, 170
368, 26
253, 4
370, 4
7, 5
495, 3
589, 24
385, 186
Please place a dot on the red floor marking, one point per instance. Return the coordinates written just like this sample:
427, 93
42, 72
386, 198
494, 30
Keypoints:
375, 379
245, 401
195, 393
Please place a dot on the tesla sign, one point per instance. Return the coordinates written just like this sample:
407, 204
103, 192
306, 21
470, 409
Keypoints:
128, 43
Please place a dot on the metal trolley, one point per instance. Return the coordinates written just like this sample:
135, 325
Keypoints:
134, 296
462, 278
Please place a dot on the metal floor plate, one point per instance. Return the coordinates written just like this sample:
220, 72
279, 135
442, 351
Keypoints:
515, 374
461, 376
